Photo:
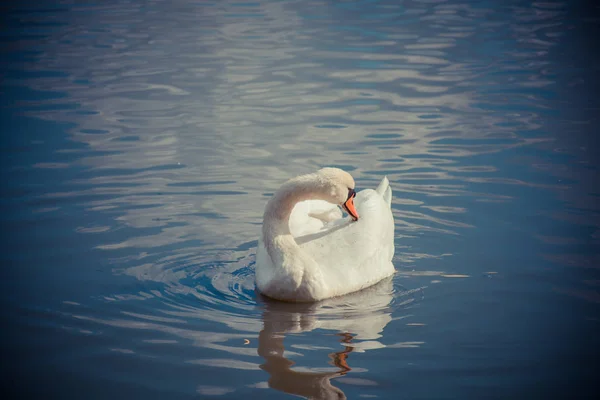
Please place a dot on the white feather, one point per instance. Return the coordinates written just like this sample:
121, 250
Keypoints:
325, 255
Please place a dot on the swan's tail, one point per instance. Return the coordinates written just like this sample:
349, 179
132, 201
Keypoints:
385, 190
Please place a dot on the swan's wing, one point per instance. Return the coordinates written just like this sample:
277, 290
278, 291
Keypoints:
312, 216
385, 190
383, 185
387, 196
323, 210
356, 254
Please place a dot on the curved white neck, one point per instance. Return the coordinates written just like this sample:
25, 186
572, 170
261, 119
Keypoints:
277, 237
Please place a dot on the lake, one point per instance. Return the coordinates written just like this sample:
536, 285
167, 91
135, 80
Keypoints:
142, 140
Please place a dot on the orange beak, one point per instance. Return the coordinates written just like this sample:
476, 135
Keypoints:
349, 206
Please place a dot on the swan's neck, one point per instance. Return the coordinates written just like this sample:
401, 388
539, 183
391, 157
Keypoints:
277, 237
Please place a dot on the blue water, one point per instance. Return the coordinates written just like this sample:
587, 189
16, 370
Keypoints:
141, 141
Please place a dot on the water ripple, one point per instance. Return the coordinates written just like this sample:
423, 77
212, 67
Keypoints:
181, 121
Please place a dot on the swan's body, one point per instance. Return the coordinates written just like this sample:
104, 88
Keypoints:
308, 252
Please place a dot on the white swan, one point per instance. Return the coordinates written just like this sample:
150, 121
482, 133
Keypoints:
308, 252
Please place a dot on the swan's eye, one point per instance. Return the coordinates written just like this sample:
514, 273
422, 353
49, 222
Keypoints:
351, 193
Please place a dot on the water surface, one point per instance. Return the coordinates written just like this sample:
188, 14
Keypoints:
141, 140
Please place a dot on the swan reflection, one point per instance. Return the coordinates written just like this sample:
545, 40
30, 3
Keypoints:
358, 320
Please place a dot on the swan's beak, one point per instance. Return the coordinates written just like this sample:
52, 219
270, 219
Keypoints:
349, 206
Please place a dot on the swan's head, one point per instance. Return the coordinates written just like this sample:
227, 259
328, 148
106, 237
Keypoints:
339, 186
